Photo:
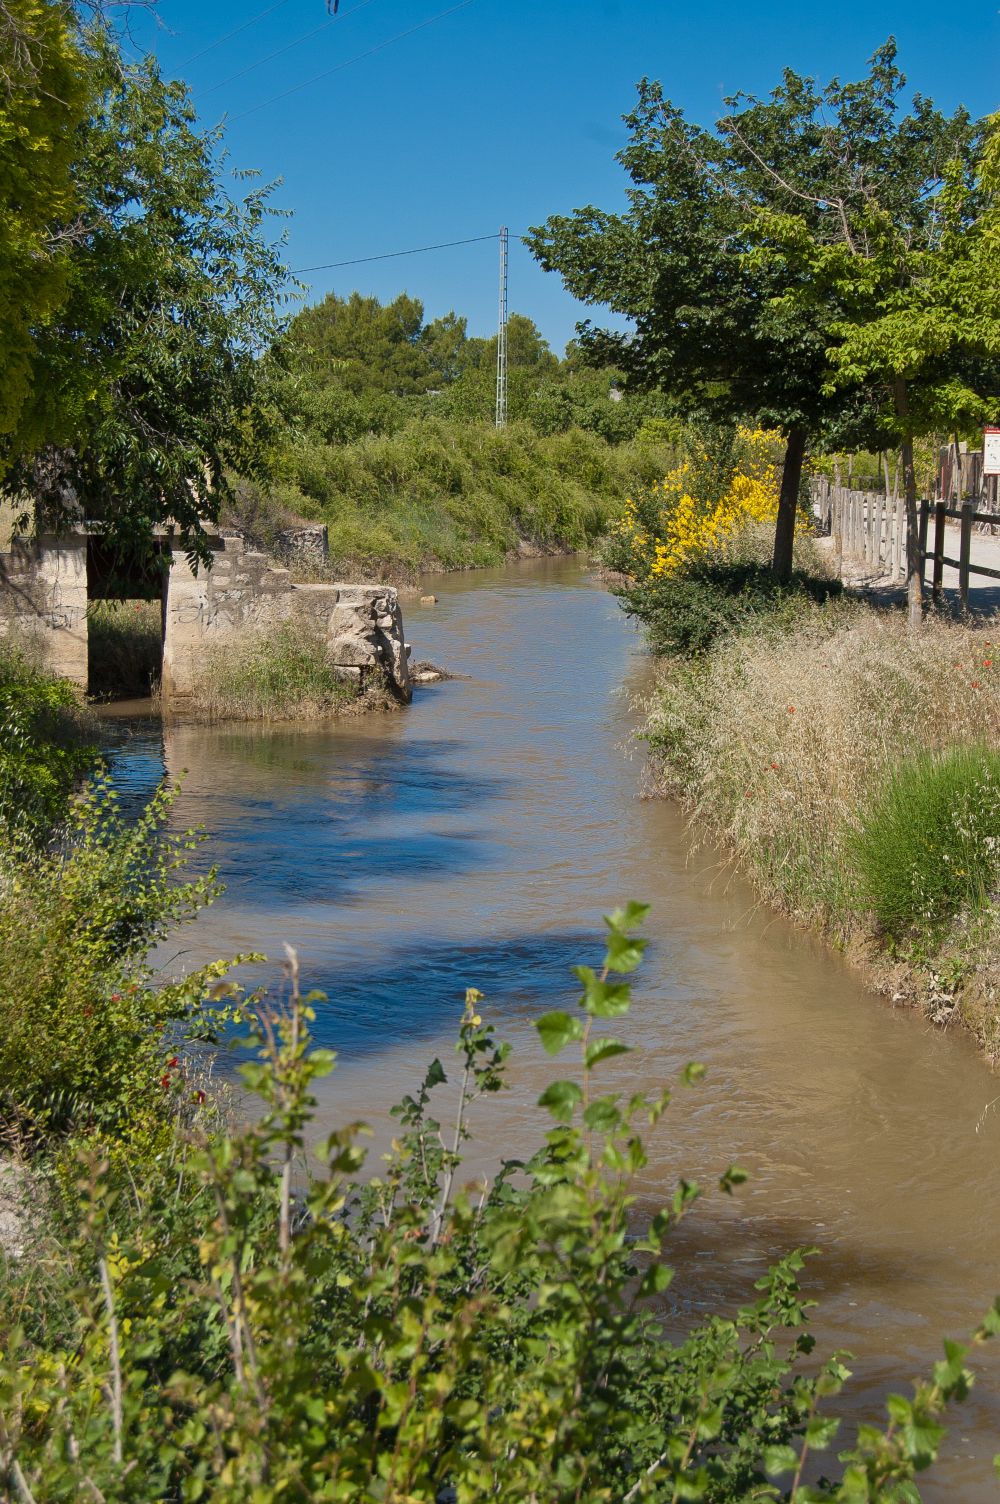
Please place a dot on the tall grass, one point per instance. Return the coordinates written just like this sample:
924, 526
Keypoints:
458, 493
274, 673
787, 747
928, 848
124, 648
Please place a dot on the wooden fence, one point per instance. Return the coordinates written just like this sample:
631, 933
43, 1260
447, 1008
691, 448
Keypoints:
865, 525
871, 528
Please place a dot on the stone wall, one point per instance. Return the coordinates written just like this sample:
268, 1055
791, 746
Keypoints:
244, 592
43, 601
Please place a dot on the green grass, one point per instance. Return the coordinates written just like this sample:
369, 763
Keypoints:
280, 673
928, 849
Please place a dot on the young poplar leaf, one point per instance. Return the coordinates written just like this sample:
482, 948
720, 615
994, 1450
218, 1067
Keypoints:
627, 918
624, 952
780, 1460
692, 1072
557, 1029
606, 999
604, 1049
561, 1097
602, 1116
734, 1176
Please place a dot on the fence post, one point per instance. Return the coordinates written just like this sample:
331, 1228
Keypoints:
879, 511
924, 519
897, 538
965, 553
939, 522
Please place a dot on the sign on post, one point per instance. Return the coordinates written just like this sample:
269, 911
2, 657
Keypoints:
991, 451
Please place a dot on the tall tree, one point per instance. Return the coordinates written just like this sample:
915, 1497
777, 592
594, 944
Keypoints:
717, 324
917, 289
145, 380
43, 92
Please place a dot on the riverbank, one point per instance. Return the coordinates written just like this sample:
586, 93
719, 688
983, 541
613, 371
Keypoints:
848, 767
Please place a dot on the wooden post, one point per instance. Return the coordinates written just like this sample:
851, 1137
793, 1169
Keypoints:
879, 512
925, 513
897, 539
939, 524
965, 553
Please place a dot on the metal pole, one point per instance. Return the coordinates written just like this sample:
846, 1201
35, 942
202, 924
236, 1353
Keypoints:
502, 335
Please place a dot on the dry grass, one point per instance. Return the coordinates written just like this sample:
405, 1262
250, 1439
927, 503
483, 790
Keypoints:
778, 744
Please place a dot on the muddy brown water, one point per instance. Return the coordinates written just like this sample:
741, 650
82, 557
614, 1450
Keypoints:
476, 840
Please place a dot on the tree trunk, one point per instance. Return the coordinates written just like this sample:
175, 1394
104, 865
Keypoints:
788, 501
914, 570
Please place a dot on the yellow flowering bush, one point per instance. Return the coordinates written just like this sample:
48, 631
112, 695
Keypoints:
699, 507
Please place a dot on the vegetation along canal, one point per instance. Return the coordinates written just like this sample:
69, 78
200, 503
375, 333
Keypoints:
476, 840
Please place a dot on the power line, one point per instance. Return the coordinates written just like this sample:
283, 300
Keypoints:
287, 47
234, 33
416, 250
347, 63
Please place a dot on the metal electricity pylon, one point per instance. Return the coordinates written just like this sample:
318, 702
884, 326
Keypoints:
502, 335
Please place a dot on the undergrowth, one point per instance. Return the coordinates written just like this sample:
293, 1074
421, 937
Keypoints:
448, 492
45, 744
270, 673
124, 648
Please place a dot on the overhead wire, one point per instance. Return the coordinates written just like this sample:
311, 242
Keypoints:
416, 250
234, 33
360, 57
287, 47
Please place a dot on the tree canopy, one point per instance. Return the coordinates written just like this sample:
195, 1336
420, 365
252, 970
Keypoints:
142, 382
42, 102
722, 325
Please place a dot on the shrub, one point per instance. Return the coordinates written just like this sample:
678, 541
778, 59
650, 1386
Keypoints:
928, 848
727, 484
276, 673
406, 1338
80, 1027
44, 745
688, 611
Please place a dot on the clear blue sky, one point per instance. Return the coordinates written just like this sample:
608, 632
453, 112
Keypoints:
505, 111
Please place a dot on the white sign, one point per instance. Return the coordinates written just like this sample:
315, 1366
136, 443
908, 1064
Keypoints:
991, 451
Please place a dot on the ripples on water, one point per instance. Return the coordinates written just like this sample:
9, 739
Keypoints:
475, 840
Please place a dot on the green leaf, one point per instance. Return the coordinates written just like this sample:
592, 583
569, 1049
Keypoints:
435, 1074
605, 999
779, 1460
557, 1029
627, 918
694, 1071
604, 1049
602, 1116
734, 1176
624, 953
820, 1432
561, 1098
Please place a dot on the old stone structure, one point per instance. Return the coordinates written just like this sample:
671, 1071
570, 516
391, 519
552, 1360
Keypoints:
43, 601
244, 592
43, 598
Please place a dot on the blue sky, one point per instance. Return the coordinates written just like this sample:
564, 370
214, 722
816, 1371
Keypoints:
504, 111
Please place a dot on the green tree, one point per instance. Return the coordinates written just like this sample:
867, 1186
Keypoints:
720, 327
43, 94
917, 292
362, 345
146, 378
